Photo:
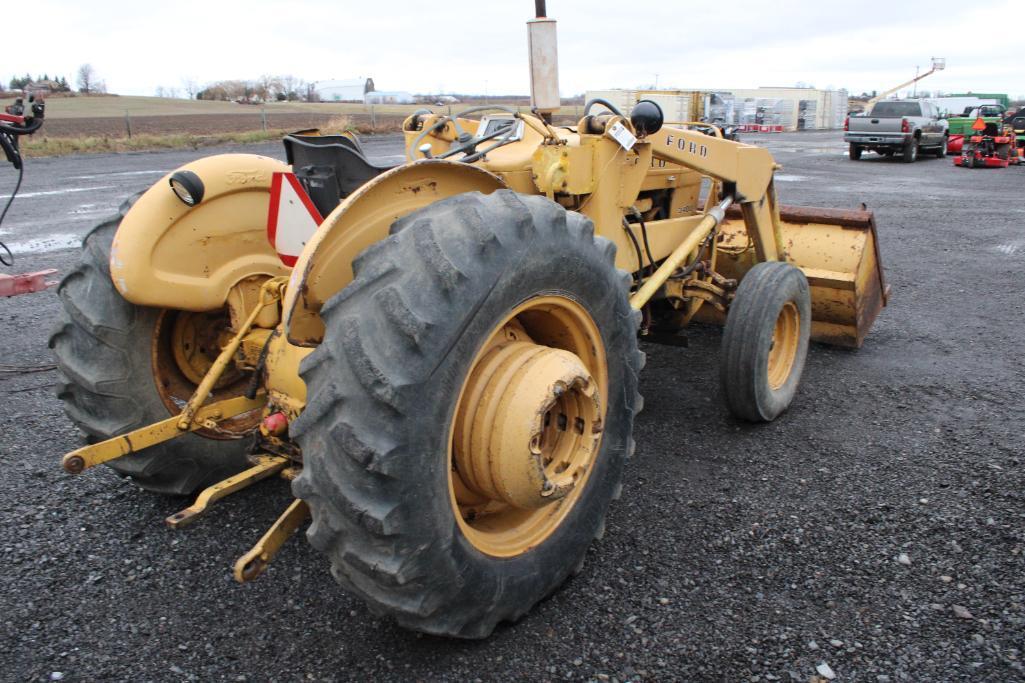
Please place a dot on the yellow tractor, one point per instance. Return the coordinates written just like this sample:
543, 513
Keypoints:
442, 357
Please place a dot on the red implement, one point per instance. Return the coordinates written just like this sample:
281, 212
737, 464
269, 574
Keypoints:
26, 283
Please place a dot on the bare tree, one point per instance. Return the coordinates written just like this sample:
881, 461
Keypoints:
292, 86
86, 79
191, 87
266, 87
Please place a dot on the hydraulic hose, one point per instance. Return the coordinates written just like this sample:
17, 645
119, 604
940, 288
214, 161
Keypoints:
603, 102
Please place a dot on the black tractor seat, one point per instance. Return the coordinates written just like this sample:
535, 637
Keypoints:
330, 167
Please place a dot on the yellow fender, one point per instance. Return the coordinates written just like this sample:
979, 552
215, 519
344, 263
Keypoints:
169, 255
364, 218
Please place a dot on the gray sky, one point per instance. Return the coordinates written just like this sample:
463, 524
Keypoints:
422, 46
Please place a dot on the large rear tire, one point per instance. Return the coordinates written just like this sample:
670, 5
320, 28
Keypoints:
104, 347
765, 342
854, 151
400, 366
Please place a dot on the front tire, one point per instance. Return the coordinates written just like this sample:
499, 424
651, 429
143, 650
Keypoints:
942, 151
765, 343
390, 498
105, 352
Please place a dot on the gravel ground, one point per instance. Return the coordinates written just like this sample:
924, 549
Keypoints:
877, 528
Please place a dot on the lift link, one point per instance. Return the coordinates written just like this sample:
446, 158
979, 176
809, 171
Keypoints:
119, 446
265, 466
253, 563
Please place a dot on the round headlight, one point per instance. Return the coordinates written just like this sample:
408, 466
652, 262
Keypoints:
187, 187
646, 118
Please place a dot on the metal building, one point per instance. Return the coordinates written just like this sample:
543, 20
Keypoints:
351, 90
776, 108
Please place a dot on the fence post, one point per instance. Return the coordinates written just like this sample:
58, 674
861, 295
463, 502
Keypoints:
373, 118
263, 118
128, 124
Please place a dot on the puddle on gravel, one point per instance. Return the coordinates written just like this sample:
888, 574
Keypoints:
51, 193
41, 245
118, 173
1011, 248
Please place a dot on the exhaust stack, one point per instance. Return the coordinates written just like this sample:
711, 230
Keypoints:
544, 62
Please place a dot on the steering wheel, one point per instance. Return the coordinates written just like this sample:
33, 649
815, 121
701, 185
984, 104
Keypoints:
466, 143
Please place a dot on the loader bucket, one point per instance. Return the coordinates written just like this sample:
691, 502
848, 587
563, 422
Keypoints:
838, 251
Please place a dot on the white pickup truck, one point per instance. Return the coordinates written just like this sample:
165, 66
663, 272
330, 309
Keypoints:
897, 126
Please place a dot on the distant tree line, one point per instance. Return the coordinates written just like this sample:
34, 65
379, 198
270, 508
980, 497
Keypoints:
19, 82
264, 89
85, 78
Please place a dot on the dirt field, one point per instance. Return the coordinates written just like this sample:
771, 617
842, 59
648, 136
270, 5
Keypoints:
200, 124
80, 117
116, 106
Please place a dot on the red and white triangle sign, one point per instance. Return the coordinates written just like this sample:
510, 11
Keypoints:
291, 218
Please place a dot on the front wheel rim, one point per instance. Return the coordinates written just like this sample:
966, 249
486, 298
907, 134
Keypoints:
528, 425
786, 336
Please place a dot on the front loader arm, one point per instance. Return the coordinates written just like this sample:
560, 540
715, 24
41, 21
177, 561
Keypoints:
745, 171
838, 251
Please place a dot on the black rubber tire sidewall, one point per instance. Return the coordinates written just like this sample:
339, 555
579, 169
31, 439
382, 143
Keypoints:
854, 151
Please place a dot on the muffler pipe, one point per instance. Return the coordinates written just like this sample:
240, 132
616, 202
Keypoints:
544, 63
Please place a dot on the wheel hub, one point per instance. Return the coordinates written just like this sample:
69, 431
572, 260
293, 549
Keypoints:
530, 426
184, 346
196, 339
526, 433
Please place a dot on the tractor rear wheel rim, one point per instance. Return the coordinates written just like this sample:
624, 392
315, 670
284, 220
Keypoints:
786, 337
528, 426
183, 349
